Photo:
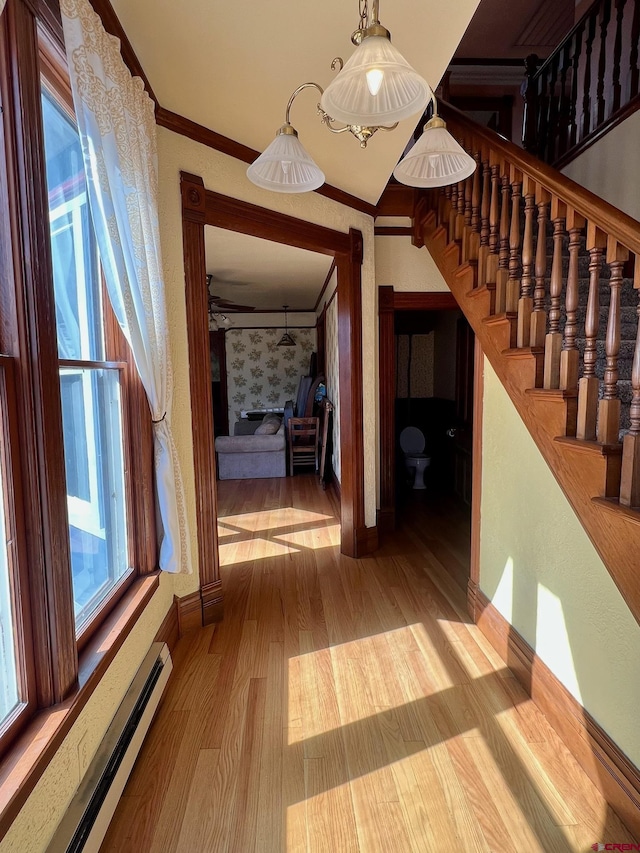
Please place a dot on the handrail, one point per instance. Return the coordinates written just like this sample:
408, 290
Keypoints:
608, 218
566, 40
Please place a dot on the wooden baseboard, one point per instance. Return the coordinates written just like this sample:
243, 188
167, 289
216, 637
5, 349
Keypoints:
212, 603
189, 612
472, 598
366, 540
169, 631
612, 773
386, 519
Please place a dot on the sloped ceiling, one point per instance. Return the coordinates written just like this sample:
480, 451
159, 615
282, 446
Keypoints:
232, 67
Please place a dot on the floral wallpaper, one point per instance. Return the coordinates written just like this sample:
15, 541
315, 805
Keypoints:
262, 375
331, 371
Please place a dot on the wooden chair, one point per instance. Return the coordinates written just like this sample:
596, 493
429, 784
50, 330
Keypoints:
303, 436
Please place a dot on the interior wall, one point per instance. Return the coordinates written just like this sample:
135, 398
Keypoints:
408, 269
260, 374
227, 176
540, 570
444, 356
610, 168
417, 376
39, 817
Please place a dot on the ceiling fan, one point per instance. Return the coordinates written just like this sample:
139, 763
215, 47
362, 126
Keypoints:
219, 303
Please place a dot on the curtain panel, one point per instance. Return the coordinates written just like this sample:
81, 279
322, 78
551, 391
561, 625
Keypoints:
118, 132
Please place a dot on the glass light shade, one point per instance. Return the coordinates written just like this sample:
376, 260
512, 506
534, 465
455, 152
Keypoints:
375, 65
285, 166
434, 161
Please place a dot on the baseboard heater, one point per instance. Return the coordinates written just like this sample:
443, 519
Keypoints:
87, 819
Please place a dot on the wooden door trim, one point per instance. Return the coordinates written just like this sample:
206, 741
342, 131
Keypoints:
390, 301
202, 207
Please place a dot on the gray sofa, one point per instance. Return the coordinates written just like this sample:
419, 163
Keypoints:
245, 455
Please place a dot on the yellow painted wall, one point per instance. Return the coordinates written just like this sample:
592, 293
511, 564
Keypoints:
405, 267
543, 574
35, 824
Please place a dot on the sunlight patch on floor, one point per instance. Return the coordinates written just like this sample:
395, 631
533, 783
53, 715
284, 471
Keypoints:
256, 522
252, 549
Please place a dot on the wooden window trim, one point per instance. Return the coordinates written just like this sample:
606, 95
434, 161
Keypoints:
29, 757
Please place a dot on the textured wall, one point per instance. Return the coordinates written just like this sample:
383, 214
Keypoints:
406, 268
331, 372
420, 379
543, 574
600, 170
35, 824
260, 374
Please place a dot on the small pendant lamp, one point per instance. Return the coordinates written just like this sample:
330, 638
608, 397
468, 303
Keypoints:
286, 340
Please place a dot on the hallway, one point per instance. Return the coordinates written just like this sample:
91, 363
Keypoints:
346, 705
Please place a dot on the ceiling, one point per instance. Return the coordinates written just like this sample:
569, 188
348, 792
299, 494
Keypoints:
263, 275
232, 67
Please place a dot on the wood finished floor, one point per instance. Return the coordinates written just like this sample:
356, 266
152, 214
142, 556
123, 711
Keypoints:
347, 705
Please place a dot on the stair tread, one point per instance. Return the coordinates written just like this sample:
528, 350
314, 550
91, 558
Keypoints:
587, 446
614, 505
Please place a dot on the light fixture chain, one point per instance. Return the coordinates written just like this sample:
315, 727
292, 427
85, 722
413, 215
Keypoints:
364, 13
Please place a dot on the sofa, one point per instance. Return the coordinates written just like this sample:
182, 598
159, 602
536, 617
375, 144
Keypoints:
257, 449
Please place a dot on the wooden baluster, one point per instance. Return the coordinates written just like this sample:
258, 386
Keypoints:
572, 133
564, 115
502, 274
609, 408
552, 113
473, 232
466, 219
494, 227
445, 207
616, 88
630, 483
543, 114
531, 106
588, 385
453, 212
570, 357
483, 251
585, 123
459, 217
553, 339
513, 284
634, 71
539, 315
525, 304
601, 104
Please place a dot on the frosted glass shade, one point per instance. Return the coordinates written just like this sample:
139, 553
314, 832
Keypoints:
434, 161
401, 92
285, 167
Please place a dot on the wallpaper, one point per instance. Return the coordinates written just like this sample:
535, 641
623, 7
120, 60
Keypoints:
422, 365
260, 374
331, 370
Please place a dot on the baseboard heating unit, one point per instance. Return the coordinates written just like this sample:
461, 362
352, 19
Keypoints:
86, 821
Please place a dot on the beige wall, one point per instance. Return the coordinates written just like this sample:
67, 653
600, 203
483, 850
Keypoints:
35, 824
543, 574
406, 268
610, 168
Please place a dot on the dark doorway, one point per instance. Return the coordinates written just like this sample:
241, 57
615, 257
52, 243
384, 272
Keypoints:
219, 382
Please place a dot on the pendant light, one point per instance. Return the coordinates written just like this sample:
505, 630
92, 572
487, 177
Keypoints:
286, 340
436, 159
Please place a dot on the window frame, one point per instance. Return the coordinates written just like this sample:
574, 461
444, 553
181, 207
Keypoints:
60, 670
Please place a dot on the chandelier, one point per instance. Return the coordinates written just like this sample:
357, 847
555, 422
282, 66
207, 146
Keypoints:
374, 90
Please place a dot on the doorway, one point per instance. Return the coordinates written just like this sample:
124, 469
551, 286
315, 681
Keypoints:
427, 354
201, 207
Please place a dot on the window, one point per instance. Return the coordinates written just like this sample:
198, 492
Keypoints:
77, 511
89, 388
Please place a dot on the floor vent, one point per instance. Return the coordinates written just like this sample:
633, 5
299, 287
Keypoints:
86, 821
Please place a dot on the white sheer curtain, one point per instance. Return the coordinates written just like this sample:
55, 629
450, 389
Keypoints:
118, 132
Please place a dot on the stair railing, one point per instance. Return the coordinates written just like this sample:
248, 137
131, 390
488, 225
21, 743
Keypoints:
537, 286
588, 84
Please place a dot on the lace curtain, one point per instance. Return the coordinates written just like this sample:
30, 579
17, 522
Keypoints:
117, 128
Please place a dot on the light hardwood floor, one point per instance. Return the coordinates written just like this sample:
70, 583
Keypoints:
347, 705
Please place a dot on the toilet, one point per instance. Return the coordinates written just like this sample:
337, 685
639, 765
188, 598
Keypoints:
412, 444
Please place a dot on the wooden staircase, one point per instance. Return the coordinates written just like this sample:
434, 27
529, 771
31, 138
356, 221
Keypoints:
513, 243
